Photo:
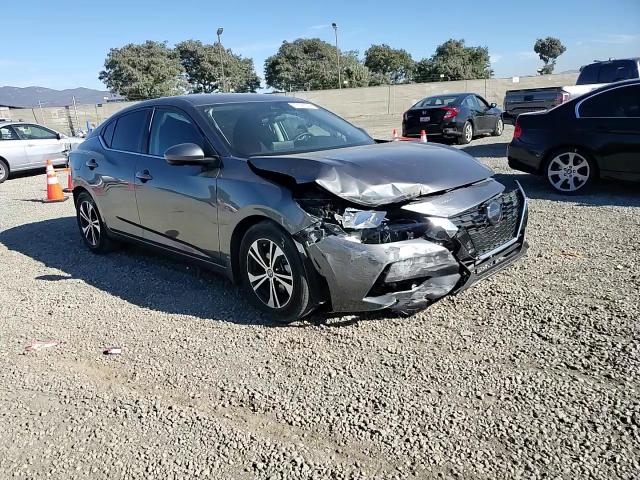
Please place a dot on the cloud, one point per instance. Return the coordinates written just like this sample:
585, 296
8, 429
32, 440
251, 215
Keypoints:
617, 38
257, 47
495, 57
527, 54
319, 27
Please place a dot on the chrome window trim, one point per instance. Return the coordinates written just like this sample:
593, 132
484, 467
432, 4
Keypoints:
577, 107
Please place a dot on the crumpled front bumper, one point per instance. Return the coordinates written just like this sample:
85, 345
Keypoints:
352, 269
405, 275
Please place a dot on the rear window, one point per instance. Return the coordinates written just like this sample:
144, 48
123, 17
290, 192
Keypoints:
437, 101
608, 72
130, 134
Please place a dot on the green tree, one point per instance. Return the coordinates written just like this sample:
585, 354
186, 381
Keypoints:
548, 49
394, 65
453, 60
201, 63
311, 64
139, 72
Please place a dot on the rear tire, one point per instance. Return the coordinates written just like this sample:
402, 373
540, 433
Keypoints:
272, 273
4, 170
92, 229
467, 133
570, 171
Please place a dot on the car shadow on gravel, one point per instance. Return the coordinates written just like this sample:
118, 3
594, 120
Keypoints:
147, 278
136, 275
602, 193
493, 150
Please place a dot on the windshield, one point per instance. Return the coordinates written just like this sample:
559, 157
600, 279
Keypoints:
269, 128
438, 101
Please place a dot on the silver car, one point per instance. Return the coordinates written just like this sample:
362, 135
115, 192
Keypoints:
27, 146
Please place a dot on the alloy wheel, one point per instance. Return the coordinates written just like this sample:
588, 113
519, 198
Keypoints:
89, 223
499, 127
468, 132
3, 172
270, 274
568, 172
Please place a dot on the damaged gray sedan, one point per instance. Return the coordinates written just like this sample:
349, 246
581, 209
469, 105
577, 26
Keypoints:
298, 206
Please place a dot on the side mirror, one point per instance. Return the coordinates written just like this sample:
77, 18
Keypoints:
59, 136
185, 153
493, 105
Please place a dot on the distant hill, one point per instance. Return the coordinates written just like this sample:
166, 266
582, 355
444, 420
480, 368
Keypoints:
29, 96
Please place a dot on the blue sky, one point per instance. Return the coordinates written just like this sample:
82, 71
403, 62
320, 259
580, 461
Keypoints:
63, 43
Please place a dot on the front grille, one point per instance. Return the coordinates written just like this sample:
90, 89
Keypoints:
474, 225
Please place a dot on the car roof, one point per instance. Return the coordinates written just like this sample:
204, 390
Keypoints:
198, 99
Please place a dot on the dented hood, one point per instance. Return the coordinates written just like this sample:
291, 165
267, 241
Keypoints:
378, 174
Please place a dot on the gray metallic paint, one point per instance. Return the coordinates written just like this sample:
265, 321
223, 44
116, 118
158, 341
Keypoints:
195, 209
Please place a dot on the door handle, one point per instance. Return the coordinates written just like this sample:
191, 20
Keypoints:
91, 164
144, 176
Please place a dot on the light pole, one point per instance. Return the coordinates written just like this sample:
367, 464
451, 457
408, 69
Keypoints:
224, 81
335, 29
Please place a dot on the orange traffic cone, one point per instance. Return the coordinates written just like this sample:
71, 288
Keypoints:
423, 136
69, 188
395, 135
54, 190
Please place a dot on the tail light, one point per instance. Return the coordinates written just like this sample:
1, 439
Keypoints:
562, 97
517, 131
451, 112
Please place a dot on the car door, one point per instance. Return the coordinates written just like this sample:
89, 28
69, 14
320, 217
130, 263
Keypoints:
42, 144
611, 120
486, 121
12, 149
177, 203
109, 169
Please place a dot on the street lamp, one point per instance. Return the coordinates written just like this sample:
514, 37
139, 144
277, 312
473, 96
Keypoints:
219, 32
335, 29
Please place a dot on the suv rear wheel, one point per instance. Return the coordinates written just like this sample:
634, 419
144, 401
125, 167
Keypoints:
272, 273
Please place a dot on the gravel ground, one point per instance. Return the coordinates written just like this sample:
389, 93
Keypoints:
534, 373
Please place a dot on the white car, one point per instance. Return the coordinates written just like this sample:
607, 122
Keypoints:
28, 146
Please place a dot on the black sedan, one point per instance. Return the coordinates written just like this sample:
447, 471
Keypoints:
593, 136
455, 115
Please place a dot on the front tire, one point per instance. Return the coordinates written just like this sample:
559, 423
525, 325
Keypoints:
570, 171
92, 228
467, 133
272, 273
499, 128
4, 170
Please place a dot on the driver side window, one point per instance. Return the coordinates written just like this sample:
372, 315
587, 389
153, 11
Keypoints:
172, 127
35, 132
482, 104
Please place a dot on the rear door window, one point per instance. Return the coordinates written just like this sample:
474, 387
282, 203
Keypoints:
130, 134
622, 102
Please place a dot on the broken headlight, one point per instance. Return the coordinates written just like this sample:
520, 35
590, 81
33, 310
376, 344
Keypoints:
360, 219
